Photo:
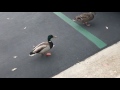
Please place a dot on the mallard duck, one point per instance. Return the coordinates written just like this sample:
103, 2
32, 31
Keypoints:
85, 18
43, 47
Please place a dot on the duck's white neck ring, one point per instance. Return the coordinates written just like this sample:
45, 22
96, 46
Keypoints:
49, 41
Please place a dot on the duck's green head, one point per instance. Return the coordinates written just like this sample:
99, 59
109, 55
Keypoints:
50, 37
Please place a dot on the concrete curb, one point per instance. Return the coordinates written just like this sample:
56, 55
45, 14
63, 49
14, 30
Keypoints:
104, 64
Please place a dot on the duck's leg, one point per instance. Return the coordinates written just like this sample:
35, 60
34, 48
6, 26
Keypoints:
87, 24
48, 54
83, 23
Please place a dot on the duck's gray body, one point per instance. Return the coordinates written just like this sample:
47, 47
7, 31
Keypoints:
43, 47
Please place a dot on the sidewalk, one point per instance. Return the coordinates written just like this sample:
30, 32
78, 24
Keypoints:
104, 64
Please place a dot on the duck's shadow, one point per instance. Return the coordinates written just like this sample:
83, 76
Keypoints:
40, 57
92, 24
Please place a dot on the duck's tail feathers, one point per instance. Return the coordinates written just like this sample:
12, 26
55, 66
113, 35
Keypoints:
32, 54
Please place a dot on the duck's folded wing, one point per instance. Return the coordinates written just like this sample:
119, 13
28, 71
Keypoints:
84, 15
38, 49
43, 43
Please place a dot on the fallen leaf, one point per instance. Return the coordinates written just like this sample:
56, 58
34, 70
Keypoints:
24, 27
15, 57
106, 27
14, 69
